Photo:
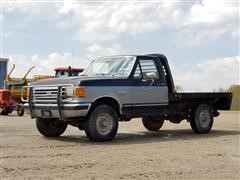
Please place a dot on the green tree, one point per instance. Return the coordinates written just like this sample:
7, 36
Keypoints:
235, 89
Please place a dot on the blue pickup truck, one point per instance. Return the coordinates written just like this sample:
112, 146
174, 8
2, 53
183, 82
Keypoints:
119, 88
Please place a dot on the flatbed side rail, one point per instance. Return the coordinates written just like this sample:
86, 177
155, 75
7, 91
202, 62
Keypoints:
220, 101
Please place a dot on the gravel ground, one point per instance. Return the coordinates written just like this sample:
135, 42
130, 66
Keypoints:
173, 152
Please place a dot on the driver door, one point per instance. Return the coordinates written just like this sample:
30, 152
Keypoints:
149, 88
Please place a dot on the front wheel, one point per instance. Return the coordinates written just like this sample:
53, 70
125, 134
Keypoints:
202, 119
102, 124
152, 124
50, 127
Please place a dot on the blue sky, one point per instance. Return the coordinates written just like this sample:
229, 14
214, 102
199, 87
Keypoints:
200, 38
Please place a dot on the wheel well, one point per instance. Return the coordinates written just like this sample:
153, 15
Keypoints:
195, 106
107, 101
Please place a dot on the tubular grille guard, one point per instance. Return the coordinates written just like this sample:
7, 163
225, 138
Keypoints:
53, 94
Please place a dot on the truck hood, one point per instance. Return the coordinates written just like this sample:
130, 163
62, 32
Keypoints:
75, 81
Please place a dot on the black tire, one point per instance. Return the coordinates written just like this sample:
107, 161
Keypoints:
102, 124
202, 119
6, 111
81, 125
152, 124
50, 127
20, 110
10, 110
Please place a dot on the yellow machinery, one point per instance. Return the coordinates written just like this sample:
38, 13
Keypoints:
15, 85
41, 77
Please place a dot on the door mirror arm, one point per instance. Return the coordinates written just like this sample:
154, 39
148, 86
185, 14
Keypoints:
152, 81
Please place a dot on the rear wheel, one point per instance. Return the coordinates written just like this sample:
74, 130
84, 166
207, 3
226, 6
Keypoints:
202, 119
152, 124
50, 127
102, 124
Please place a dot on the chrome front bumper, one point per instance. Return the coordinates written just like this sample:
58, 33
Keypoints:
50, 101
53, 111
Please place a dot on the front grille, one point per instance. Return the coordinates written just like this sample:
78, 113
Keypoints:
48, 94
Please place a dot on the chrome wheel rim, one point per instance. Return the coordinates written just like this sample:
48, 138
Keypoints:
204, 118
104, 123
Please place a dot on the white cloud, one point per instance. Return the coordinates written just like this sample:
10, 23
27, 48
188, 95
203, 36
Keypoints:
94, 22
213, 12
5, 35
210, 19
30, 7
235, 34
43, 65
110, 20
96, 50
209, 74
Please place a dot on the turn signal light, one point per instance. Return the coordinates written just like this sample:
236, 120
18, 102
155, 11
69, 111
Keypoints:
79, 91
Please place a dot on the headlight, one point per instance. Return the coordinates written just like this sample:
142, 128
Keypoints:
79, 91
69, 91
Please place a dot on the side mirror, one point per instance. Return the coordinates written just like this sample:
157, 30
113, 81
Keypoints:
151, 75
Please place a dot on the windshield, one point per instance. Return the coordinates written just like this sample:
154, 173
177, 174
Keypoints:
114, 66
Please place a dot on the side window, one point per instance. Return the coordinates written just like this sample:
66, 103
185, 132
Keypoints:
148, 66
137, 74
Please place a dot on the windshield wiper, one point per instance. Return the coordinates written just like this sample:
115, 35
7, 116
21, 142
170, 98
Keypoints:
104, 74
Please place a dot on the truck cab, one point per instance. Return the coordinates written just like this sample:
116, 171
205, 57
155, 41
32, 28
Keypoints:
119, 88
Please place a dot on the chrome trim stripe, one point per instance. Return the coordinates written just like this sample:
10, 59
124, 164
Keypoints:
63, 105
55, 107
137, 105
